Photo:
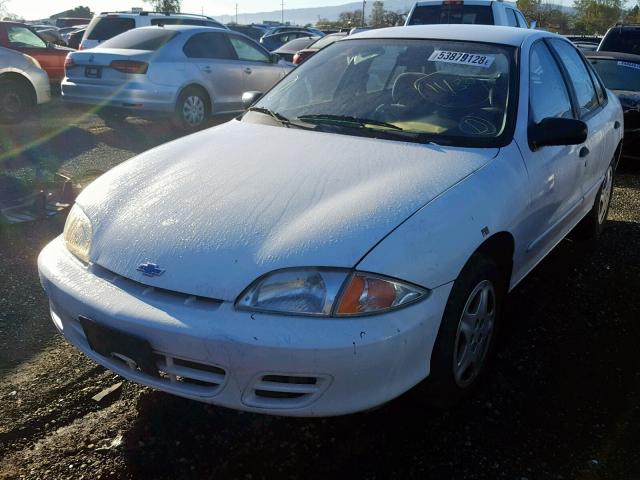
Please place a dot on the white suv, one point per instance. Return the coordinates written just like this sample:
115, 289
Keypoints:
109, 24
484, 12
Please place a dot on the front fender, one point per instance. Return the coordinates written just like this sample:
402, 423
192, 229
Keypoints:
432, 246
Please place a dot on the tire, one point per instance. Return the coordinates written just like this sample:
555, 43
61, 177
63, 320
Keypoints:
192, 109
468, 332
16, 101
593, 224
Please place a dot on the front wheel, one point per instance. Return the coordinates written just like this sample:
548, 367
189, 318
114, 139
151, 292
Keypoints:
192, 109
468, 331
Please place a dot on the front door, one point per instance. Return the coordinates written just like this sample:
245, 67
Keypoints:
259, 71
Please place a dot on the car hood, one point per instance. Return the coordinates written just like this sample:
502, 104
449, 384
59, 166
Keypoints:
220, 208
630, 100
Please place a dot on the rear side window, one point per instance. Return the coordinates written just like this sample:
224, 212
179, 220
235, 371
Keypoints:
580, 78
248, 52
454, 12
140, 39
548, 95
104, 28
625, 40
209, 45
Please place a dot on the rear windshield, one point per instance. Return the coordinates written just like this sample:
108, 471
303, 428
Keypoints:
627, 41
141, 39
326, 40
104, 28
618, 74
452, 13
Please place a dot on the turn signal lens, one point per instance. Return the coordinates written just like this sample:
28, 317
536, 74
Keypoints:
366, 293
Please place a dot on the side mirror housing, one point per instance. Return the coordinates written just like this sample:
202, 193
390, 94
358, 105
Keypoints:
249, 98
557, 131
275, 58
533, 25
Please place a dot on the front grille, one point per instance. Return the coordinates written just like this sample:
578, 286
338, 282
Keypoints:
284, 391
139, 289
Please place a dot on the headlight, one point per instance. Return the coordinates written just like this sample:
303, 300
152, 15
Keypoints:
32, 60
327, 292
78, 233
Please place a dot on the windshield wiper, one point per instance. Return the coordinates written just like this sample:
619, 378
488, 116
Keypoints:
347, 119
278, 117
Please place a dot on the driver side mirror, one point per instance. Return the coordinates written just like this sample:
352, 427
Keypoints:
249, 98
557, 131
533, 25
275, 58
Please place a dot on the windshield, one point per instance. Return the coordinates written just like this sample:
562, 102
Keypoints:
141, 39
448, 92
22, 37
618, 74
452, 13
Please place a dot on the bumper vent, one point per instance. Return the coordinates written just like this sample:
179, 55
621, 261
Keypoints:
284, 391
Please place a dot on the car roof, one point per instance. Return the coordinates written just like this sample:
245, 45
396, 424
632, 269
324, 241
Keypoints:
472, 33
187, 28
629, 57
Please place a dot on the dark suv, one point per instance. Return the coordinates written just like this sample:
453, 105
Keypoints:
622, 38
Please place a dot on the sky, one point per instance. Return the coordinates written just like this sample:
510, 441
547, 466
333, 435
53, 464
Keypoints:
38, 9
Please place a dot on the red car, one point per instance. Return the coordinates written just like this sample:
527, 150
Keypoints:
19, 36
318, 45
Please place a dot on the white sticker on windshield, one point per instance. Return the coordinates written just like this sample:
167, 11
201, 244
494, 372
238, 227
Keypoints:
629, 65
462, 58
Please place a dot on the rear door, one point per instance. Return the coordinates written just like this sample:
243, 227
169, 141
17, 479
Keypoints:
212, 55
260, 73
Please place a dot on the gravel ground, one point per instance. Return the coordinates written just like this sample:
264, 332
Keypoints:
562, 399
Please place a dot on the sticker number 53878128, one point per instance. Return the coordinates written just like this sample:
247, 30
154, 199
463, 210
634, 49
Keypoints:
462, 58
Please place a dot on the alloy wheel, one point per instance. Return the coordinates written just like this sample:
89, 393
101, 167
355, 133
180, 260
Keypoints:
474, 333
12, 103
193, 110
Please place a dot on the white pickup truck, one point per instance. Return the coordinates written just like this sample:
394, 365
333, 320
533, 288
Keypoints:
483, 12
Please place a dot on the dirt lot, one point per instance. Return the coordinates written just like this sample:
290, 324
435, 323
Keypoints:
562, 400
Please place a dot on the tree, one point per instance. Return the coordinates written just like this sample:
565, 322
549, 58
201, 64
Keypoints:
170, 6
350, 19
596, 16
78, 12
377, 15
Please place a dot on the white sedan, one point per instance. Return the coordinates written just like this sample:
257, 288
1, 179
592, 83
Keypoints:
353, 234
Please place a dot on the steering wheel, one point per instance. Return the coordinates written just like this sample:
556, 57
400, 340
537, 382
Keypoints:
453, 91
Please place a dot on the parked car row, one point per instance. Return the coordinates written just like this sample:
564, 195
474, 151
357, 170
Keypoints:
354, 233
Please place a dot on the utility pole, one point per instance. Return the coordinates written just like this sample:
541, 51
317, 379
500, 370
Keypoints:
236, 14
282, 5
364, 2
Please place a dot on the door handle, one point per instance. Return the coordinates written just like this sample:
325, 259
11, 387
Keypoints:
247, 71
206, 69
584, 151
616, 124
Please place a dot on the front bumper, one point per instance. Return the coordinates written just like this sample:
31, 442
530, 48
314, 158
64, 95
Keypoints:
282, 365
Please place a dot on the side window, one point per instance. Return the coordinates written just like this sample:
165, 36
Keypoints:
247, 52
602, 96
580, 78
522, 22
208, 45
23, 37
511, 17
548, 95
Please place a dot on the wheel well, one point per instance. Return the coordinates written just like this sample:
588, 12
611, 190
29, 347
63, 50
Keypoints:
500, 247
21, 80
203, 90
